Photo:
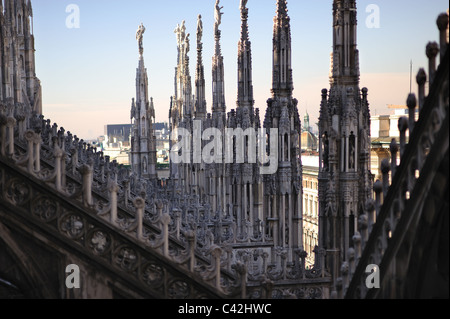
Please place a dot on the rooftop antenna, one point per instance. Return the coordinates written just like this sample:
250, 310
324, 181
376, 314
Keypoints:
410, 77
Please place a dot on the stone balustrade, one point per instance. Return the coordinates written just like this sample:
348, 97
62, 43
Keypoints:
76, 170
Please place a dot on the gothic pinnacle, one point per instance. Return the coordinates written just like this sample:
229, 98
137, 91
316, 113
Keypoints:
245, 87
200, 102
282, 11
244, 25
345, 57
282, 66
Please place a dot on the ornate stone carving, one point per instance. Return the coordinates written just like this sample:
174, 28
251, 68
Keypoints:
99, 242
46, 208
140, 38
153, 275
199, 30
126, 258
218, 15
18, 192
72, 225
178, 289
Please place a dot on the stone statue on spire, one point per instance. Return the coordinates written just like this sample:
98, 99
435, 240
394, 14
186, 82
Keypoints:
218, 16
140, 38
243, 4
183, 30
199, 30
180, 32
187, 44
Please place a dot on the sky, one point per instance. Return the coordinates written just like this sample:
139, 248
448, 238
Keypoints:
88, 69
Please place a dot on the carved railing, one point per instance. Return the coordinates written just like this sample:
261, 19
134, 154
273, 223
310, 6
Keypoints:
76, 171
384, 224
286, 280
28, 203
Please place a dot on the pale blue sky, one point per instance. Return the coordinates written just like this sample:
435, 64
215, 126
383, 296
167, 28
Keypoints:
88, 74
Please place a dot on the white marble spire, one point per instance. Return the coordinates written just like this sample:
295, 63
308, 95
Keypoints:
282, 84
200, 96
245, 86
219, 107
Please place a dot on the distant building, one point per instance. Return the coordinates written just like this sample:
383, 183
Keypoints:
116, 142
309, 140
384, 128
162, 144
310, 205
118, 133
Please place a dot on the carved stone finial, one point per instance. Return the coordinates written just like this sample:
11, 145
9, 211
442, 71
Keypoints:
432, 50
442, 21
412, 101
378, 187
139, 203
365, 91
421, 77
385, 166
394, 146
402, 124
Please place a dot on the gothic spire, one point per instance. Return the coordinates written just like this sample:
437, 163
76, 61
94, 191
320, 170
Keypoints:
141, 72
282, 11
200, 102
183, 87
187, 93
345, 56
218, 107
143, 144
344, 129
218, 21
245, 87
29, 8
282, 84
